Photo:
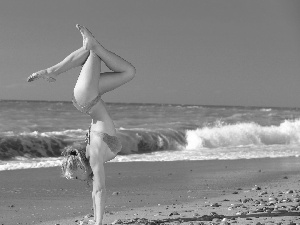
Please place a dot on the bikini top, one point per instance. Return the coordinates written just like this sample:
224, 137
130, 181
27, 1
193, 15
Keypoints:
113, 142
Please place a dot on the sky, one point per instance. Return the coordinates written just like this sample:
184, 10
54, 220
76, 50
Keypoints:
199, 52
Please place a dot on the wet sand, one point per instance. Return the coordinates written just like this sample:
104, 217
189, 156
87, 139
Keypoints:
253, 191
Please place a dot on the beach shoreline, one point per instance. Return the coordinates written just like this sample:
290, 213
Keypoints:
151, 190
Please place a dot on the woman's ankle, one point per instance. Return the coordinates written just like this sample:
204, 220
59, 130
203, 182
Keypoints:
51, 72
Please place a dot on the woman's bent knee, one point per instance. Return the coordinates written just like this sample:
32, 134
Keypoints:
131, 73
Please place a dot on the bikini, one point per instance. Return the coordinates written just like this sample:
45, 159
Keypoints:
75, 164
88, 106
112, 142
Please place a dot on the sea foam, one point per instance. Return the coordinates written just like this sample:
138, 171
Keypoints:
244, 134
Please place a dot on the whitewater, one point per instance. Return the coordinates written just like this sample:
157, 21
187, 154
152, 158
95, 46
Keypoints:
33, 134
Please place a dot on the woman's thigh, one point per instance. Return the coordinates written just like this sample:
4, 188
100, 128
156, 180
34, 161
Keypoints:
87, 85
112, 80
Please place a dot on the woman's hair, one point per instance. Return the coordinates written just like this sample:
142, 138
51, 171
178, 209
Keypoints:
75, 165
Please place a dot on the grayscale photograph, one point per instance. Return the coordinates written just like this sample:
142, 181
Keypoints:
151, 112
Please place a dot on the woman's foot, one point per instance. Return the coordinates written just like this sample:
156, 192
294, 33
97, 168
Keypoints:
89, 42
41, 74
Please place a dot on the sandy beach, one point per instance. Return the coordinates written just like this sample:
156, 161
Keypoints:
246, 191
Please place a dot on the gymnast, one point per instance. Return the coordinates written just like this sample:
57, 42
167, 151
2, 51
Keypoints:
102, 142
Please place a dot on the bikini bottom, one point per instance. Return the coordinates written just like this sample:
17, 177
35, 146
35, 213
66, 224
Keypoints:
87, 107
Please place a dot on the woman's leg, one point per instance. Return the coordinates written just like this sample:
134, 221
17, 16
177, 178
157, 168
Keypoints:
123, 70
87, 85
75, 59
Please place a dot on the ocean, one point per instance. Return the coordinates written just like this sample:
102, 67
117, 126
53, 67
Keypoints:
34, 133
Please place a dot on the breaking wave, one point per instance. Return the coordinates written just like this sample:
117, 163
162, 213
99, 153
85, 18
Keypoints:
51, 144
244, 134
217, 141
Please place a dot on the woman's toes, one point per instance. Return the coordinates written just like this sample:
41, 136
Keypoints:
80, 28
32, 77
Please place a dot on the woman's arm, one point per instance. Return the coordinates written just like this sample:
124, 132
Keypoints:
99, 192
96, 155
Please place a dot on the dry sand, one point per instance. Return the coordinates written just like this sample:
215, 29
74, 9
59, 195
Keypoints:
254, 191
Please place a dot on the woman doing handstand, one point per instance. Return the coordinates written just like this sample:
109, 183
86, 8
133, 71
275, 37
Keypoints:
102, 145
